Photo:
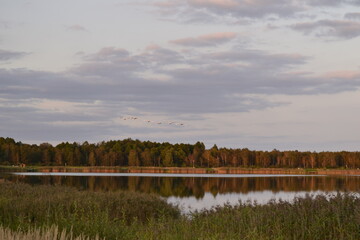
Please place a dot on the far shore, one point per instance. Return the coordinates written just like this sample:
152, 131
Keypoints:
182, 170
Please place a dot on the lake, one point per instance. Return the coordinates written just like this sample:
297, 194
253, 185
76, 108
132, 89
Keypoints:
197, 191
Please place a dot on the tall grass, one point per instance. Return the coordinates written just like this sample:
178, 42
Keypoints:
51, 233
128, 215
107, 214
309, 218
320, 217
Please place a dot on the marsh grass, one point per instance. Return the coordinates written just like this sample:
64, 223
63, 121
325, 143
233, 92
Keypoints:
107, 214
129, 215
312, 217
51, 233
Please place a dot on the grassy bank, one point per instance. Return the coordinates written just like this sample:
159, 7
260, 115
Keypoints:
28, 210
183, 170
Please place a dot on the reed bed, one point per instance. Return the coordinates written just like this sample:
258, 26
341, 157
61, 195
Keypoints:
51, 233
129, 215
106, 214
312, 217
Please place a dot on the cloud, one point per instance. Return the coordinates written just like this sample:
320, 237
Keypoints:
108, 53
327, 3
10, 55
116, 64
343, 75
339, 29
231, 11
206, 40
258, 58
76, 28
244, 8
352, 16
114, 82
215, 3
189, 82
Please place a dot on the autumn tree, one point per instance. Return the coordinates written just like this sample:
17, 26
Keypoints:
58, 159
146, 157
134, 158
168, 157
92, 159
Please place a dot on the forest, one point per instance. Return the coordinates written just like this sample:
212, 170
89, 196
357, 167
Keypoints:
129, 152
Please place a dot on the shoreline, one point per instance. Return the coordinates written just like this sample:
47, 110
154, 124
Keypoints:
182, 170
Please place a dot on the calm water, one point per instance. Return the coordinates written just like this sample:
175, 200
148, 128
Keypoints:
197, 191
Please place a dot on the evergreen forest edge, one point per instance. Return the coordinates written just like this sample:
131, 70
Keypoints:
129, 152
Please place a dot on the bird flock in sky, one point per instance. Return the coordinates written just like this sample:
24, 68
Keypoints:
152, 122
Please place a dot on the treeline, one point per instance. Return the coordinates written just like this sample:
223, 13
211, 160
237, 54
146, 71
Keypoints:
130, 152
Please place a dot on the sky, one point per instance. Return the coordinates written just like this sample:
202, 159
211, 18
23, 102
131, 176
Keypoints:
257, 74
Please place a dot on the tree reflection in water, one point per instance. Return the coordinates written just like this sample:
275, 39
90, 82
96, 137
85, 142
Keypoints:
198, 186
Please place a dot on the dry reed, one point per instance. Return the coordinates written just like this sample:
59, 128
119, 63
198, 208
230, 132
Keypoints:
52, 233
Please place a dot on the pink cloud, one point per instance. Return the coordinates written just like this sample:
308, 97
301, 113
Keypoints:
152, 47
343, 74
218, 36
206, 40
215, 3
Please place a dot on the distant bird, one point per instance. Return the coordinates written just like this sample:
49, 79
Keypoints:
152, 122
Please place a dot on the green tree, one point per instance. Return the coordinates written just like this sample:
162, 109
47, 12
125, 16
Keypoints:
199, 149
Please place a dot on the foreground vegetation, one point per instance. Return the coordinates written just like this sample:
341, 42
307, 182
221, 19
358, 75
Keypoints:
40, 234
130, 152
43, 210
107, 214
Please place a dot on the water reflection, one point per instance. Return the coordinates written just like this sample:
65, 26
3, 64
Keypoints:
191, 203
199, 187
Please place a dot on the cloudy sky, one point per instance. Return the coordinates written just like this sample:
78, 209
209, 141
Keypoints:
260, 74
